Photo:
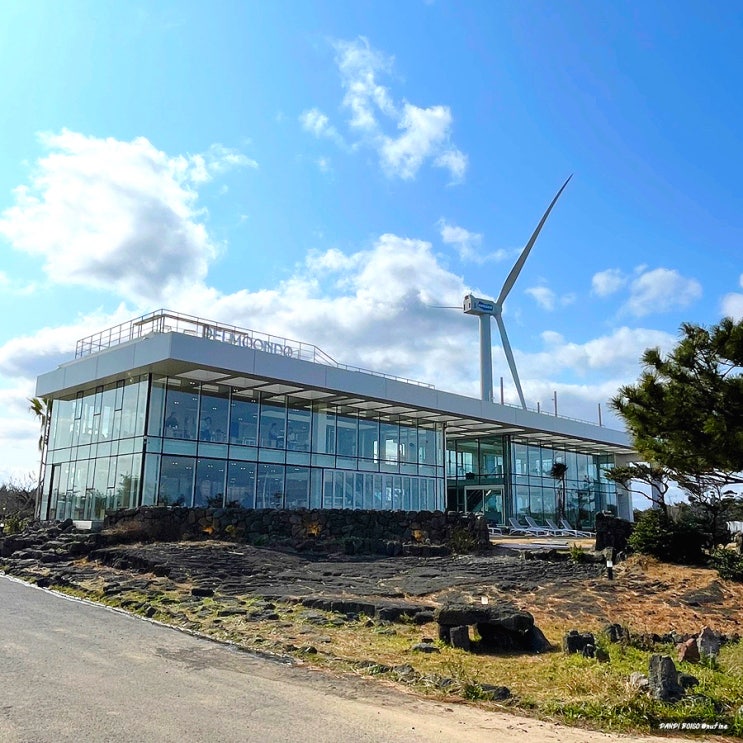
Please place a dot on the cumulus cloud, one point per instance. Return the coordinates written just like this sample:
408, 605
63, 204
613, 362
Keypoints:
544, 297
618, 352
547, 299
371, 308
317, 123
27, 356
116, 215
425, 130
607, 282
467, 244
661, 290
419, 134
732, 304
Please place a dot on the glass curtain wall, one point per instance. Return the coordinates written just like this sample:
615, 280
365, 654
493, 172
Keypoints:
261, 450
578, 494
94, 453
205, 444
526, 477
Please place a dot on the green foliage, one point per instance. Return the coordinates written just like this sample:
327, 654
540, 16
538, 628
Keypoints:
41, 407
685, 413
686, 410
462, 541
577, 553
729, 564
15, 524
657, 535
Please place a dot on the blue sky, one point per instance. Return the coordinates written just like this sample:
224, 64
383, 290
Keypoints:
327, 171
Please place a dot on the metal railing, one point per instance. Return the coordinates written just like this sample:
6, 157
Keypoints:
167, 321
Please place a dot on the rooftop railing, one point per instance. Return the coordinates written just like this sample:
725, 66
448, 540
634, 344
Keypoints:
166, 321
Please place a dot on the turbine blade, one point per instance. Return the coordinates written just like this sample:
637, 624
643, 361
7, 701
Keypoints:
516, 270
509, 358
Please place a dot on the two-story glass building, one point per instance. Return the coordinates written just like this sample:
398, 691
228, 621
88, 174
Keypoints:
172, 409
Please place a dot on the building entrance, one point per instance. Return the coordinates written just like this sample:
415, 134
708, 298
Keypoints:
484, 500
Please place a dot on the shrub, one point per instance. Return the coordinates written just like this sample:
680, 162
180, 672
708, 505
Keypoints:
15, 524
670, 541
729, 564
462, 541
577, 554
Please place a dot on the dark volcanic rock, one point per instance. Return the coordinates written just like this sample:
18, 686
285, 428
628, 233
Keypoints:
575, 642
500, 626
663, 679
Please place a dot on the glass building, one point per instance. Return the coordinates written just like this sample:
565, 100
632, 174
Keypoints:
169, 409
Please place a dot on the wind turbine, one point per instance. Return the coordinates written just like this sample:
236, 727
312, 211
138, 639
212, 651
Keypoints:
487, 308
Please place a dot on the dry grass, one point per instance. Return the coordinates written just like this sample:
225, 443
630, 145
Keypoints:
647, 596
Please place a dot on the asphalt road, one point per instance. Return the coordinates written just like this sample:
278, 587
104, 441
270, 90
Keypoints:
71, 671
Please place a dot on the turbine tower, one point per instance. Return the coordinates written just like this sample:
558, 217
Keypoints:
487, 308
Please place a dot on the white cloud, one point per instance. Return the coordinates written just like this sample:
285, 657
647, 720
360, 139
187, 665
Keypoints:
467, 244
116, 215
370, 308
618, 352
27, 356
661, 290
547, 299
423, 134
732, 304
455, 161
544, 297
607, 282
317, 123
359, 65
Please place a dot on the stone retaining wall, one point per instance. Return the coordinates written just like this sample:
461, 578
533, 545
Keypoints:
358, 531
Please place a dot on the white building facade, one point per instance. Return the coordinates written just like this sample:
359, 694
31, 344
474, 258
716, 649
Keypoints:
169, 409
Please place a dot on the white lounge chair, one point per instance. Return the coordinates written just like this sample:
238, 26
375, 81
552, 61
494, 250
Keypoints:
527, 531
558, 531
576, 532
538, 527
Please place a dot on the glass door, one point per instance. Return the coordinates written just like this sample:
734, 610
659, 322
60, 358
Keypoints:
484, 500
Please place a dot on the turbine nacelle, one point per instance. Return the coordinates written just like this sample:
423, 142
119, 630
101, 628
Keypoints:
476, 306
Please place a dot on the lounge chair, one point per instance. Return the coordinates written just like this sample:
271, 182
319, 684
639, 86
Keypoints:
558, 531
527, 531
538, 527
494, 531
575, 532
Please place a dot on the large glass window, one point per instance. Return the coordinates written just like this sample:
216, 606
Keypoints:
176, 481
63, 416
127, 480
241, 484
323, 429
297, 487
157, 406
300, 424
273, 422
133, 408
209, 483
270, 486
215, 400
182, 409
368, 439
389, 435
244, 418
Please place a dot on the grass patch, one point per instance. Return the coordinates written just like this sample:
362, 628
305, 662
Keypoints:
571, 689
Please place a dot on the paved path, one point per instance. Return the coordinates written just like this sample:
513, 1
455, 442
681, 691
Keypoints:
70, 671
